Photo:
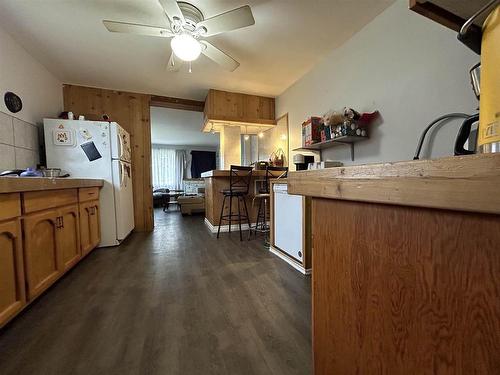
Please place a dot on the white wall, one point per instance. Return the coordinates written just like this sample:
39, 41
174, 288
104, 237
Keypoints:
181, 130
41, 94
179, 127
408, 67
20, 73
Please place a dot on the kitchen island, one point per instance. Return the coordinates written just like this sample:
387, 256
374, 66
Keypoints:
406, 266
215, 182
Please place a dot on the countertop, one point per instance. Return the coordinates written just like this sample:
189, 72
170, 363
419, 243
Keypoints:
466, 183
226, 173
22, 184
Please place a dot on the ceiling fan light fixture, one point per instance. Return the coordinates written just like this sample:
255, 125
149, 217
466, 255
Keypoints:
186, 47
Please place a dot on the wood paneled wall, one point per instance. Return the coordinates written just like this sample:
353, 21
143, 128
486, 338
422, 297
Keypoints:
131, 111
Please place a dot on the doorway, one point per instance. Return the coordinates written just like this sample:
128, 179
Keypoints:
180, 152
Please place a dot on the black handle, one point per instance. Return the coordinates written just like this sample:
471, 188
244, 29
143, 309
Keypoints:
463, 135
472, 39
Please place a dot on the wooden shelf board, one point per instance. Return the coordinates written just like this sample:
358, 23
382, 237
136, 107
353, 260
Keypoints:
347, 139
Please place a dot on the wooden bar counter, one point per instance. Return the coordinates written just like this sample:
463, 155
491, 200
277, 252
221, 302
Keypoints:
215, 182
406, 266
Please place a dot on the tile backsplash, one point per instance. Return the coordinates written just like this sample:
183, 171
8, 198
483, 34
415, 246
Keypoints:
19, 143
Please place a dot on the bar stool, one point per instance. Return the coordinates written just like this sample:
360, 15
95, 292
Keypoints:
239, 184
264, 194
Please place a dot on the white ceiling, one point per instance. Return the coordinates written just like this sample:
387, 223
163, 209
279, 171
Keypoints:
288, 38
178, 127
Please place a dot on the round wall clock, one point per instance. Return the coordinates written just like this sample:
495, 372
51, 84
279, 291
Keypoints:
13, 102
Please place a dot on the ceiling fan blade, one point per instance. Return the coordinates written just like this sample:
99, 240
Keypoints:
221, 58
173, 65
232, 20
172, 9
134, 28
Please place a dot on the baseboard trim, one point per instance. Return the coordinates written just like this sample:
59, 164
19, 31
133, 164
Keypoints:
290, 261
225, 228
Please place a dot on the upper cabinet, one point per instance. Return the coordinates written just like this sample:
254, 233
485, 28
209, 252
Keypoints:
450, 13
223, 107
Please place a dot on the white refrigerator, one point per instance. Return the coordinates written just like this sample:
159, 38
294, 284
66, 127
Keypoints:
95, 149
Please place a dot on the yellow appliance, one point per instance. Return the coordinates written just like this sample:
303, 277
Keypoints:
487, 43
489, 104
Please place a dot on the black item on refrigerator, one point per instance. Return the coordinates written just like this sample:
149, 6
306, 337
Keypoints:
91, 151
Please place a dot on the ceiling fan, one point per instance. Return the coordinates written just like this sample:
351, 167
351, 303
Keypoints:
188, 28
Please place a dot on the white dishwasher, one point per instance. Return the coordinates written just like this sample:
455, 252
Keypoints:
288, 225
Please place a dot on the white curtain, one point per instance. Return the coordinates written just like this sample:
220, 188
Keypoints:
168, 167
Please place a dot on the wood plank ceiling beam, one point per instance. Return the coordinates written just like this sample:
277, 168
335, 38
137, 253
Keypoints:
177, 103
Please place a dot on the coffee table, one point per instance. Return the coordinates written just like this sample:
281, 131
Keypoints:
172, 196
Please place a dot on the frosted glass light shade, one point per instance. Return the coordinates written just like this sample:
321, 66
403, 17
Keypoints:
185, 47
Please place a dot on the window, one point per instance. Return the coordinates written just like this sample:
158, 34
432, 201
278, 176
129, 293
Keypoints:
168, 167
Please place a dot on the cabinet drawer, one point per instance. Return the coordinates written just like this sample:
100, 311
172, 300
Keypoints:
42, 200
88, 194
10, 206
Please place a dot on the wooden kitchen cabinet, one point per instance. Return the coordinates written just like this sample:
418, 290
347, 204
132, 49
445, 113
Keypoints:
69, 236
405, 266
40, 239
236, 107
90, 233
12, 290
43, 265
52, 239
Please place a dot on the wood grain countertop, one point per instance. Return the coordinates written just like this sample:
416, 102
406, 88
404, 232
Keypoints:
226, 173
466, 183
22, 184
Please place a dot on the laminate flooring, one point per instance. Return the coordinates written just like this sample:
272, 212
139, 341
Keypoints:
174, 301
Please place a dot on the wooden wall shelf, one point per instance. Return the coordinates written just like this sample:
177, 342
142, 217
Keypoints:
344, 140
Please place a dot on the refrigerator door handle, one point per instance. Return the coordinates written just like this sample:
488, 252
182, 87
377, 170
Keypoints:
121, 147
120, 171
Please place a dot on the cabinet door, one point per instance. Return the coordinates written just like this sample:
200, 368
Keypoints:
68, 239
85, 237
95, 227
41, 256
12, 293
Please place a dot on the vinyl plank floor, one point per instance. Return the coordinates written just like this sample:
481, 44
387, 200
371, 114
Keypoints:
174, 301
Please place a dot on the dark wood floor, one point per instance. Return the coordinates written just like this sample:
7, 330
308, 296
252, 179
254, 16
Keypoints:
175, 301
